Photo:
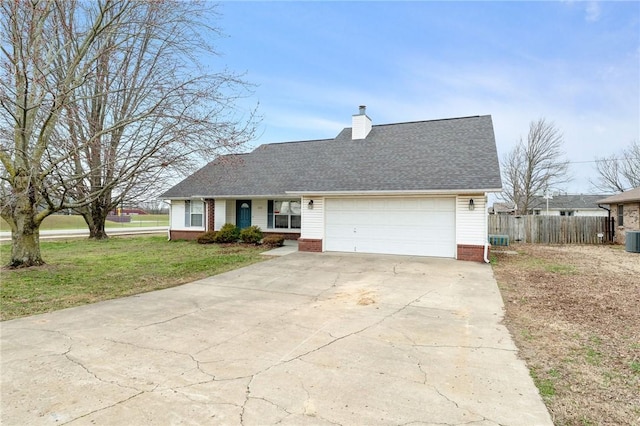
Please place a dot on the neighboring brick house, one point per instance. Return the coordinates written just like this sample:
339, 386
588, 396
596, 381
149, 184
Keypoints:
625, 209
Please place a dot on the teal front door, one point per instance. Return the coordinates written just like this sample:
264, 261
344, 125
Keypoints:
243, 213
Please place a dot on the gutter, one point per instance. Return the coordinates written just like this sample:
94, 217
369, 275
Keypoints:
446, 192
170, 214
613, 230
486, 229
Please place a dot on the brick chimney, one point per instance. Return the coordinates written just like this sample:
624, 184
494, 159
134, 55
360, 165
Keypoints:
360, 124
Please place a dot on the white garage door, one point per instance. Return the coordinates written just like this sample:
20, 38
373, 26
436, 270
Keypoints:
412, 226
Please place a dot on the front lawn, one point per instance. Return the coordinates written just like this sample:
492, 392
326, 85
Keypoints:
83, 271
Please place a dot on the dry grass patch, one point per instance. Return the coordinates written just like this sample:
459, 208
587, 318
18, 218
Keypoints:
574, 312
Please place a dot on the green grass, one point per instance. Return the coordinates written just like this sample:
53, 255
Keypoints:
535, 263
592, 354
557, 268
76, 222
83, 271
526, 335
545, 385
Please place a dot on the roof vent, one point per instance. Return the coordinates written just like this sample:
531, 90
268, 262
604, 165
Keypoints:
360, 124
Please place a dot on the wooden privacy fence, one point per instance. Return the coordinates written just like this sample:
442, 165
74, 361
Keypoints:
553, 229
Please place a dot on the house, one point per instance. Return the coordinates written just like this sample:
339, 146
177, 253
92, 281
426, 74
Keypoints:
414, 188
502, 208
568, 205
558, 205
625, 210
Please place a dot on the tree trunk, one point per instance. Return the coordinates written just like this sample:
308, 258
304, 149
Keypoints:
97, 231
25, 249
25, 231
95, 216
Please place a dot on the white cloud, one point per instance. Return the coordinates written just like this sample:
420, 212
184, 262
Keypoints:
593, 11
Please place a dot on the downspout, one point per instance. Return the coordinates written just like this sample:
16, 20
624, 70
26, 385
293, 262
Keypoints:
613, 228
486, 230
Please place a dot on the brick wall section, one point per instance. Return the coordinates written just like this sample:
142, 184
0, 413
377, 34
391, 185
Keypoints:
310, 244
631, 213
471, 252
192, 235
210, 214
287, 236
184, 235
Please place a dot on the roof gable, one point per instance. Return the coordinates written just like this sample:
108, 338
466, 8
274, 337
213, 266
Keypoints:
439, 155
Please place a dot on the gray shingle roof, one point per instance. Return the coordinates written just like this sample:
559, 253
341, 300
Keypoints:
457, 154
568, 201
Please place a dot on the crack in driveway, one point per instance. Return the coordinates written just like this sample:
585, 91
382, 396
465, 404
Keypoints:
234, 355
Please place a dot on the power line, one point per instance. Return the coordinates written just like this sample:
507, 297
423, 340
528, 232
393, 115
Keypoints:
599, 161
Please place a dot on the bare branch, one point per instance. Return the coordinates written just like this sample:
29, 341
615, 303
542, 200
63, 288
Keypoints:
535, 166
618, 172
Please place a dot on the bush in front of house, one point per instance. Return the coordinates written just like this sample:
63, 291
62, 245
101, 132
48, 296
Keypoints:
251, 235
208, 237
273, 240
229, 233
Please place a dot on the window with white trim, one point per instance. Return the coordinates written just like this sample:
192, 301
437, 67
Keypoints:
620, 214
193, 213
284, 214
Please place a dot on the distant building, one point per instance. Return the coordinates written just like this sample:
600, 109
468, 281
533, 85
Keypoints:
569, 205
502, 208
559, 205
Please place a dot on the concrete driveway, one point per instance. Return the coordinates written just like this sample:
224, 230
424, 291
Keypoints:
301, 339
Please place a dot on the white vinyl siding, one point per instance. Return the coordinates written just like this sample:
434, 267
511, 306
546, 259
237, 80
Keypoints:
592, 213
422, 226
312, 219
220, 214
471, 225
259, 213
576, 212
177, 214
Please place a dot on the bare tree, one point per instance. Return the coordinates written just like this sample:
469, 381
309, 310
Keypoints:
145, 116
81, 121
534, 166
618, 173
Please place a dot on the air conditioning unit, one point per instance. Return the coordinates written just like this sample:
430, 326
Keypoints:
499, 240
632, 241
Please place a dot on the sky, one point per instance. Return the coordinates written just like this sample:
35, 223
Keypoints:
574, 63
